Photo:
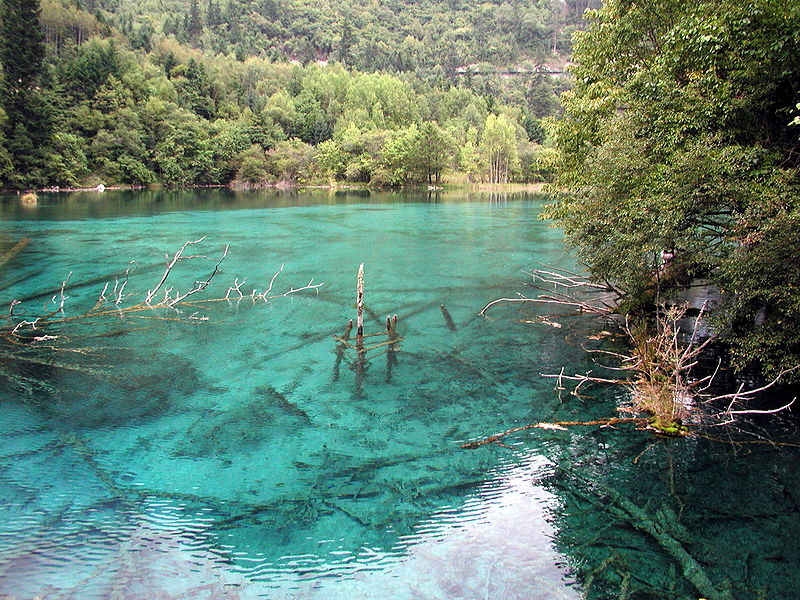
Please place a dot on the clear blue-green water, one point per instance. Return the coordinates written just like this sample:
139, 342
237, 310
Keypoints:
248, 456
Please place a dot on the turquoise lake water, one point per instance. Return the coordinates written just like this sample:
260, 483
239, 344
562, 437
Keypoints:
250, 456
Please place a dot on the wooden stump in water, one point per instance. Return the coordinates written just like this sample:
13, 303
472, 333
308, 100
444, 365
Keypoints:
13, 251
341, 348
390, 346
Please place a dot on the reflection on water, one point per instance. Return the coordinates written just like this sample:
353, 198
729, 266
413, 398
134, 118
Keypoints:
120, 203
245, 457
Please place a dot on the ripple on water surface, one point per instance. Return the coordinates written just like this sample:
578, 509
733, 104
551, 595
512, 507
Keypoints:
249, 457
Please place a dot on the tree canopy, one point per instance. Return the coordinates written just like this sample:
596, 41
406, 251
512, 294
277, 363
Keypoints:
105, 95
428, 37
27, 118
680, 135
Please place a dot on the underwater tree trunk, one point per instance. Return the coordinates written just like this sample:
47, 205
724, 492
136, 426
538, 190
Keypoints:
360, 302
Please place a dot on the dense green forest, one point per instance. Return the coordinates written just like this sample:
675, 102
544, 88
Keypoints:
179, 93
427, 37
682, 136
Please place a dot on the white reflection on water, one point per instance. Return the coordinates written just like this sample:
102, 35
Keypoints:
497, 545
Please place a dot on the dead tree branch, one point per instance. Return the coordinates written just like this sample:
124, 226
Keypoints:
111, 302
170, 264
603, 301
660, 361
557, 425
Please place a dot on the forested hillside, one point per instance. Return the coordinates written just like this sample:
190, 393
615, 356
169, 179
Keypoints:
182, 93
427, 36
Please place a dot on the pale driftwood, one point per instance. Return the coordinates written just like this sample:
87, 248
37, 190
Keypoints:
170, 264
110, 302
492, 439
583, 378
654, 355
762, 412
360, 366
583, 307
737, 395
604, 300
267, 294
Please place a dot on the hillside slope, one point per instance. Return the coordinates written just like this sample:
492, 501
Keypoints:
435, 36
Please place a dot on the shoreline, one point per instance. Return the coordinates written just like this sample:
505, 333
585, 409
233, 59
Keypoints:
537, 188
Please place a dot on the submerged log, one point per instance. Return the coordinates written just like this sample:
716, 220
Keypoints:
448, 320
557, 425
394, 346
360, 366
658, 529
347, 330
272, 396
662, 526
13, 251
372, 315
340, 348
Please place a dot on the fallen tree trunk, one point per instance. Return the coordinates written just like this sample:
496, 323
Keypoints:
558, 425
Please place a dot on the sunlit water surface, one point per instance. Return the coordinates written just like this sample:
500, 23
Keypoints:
249, 456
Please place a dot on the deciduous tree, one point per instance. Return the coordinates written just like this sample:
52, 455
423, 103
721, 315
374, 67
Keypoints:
677, 138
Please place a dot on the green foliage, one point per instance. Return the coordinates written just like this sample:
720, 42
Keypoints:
6, 165
538, 163
677, 137
28, 124
255, 167
64, 24
416, 155
22, 48
129, 105
398, 159
331, 160
88, 67
294, 161
67, 163
398, 36
498, 148
763, 276
434, 152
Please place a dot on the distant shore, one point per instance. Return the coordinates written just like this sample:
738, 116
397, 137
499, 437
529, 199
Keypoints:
475, 187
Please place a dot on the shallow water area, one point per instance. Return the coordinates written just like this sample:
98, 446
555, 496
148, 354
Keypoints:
246, 453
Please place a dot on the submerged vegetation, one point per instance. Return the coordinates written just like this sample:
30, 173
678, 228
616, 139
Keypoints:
675, 159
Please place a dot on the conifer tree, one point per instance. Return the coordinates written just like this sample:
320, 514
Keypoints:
195, 25
21, 45
22, 53
213, 15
